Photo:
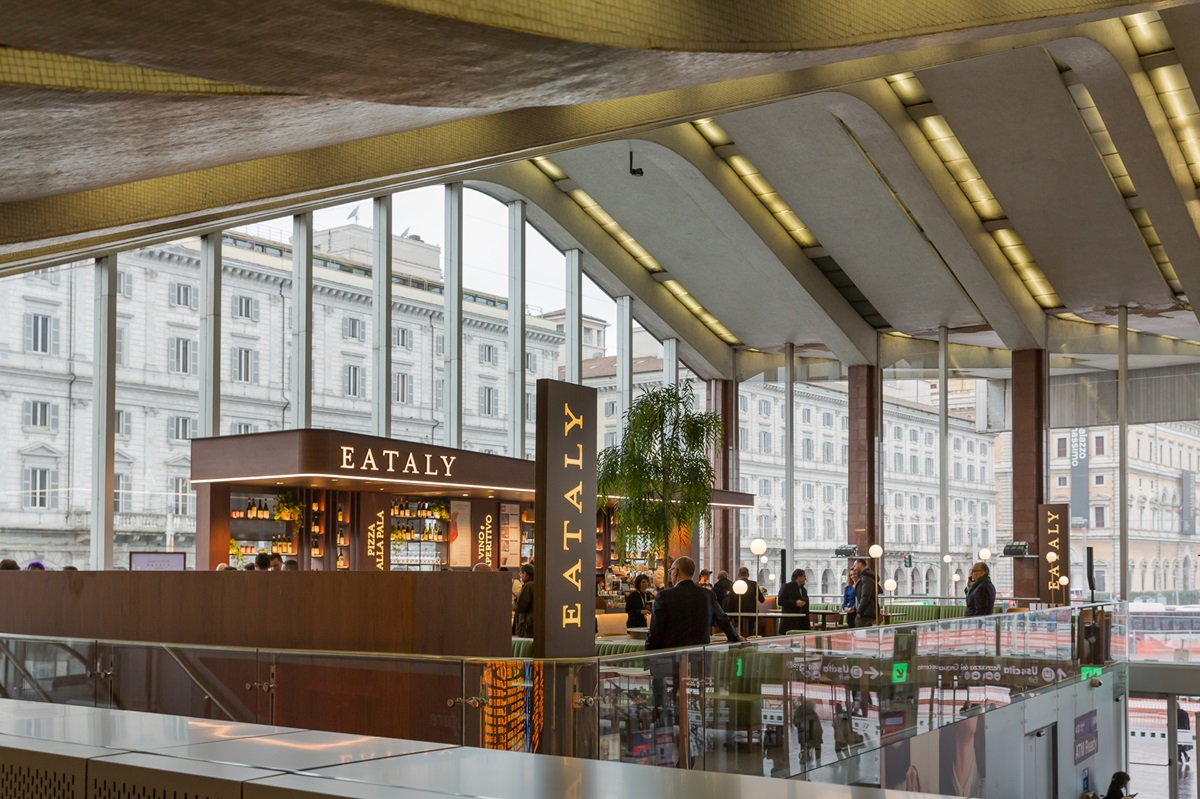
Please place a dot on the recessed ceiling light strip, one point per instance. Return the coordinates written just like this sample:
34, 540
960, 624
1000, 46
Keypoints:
637, 251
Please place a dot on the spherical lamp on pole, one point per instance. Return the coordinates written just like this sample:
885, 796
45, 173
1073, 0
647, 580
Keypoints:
985, 553
758, 546
740, 587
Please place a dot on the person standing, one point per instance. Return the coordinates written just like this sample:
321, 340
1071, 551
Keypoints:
848, 598
793, 603
685, 614
1182, 722
866, 595
981, 592
747, 603
637, 603
723, 589
522, 626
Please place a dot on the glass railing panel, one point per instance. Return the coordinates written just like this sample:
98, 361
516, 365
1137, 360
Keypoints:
200, 682
1163, 634
418, 698
62, 671
625, 706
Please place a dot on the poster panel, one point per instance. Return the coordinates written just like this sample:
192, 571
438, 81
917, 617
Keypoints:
460, 534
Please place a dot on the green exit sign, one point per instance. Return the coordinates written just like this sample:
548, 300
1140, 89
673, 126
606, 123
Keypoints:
1088, 672
899, 672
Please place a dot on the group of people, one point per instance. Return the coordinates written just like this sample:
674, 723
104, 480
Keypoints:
264, 563
10, 565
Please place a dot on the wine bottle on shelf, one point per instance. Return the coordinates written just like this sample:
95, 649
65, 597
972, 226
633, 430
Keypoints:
342, 563
250, 509
340, 514
316, 547
263, 513
341, 537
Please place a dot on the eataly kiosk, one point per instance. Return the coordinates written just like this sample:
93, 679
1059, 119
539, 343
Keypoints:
342, 501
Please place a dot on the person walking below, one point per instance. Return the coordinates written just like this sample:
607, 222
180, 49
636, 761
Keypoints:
1119, 787
981, 592
848, 598
522, 626
793, 602
866, 595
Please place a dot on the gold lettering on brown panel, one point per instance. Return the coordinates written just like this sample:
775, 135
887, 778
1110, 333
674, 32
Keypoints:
1054, 552
566, 497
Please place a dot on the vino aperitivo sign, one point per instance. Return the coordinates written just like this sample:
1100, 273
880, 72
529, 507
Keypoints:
564, 519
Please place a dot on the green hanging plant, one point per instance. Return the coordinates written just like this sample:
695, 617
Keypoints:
660, 476
288, 509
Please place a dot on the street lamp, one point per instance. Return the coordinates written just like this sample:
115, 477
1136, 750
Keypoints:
876, 552
758, 546
985, 553
890, 586
740, 587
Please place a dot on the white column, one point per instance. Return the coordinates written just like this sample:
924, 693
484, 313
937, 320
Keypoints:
943, 461
302, 320
789, 458
574, 317
104, 388
1122, 565
452, 317
670, 361
210, 334
624, 361
381, 317
516, 329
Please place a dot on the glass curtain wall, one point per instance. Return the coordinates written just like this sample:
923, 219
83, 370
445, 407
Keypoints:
599, 359
910, 443
822, 441
46, 346
157, 399
545, 319
761, 437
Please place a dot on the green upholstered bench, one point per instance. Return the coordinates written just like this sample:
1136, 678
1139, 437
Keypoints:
610, 648
915, 613
522, 647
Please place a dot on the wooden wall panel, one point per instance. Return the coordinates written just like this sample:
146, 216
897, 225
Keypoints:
436, 613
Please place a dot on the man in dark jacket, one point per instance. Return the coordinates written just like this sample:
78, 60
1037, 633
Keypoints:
866, 595
746, 604
685, 614
793, 603
981, 592
722, 589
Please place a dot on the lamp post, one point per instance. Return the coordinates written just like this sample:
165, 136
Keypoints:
740, 587
890, 585
876, 552
949, 586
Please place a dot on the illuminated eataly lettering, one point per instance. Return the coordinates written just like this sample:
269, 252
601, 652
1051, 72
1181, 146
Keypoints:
1054, 543
394, 463
572, 614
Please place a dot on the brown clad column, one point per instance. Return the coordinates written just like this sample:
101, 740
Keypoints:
212, 525
1028, 463
865, 422
722, 399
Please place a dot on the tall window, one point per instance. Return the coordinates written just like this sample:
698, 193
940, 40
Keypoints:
489, 400
810, 531
531, 360
354, 384
1099, 446
402, 337
122, 493
354, 327
181, 501
41, 334
764, 442
245, 308
184, 295
827, 451
124, 283
183, 355
245, 365
41, 415
182, 428
809, 492
764, 487
39, 487
764, 407
123, 423
488, 354
402, 388
807, 449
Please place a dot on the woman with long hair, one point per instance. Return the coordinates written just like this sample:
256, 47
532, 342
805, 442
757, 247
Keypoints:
639, 602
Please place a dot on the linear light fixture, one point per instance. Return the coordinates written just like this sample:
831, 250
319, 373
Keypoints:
631, 246
1094, 122
754, 180
909, 90
1153, 44
360, 478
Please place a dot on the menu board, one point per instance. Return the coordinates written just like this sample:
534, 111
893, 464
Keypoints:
510, 535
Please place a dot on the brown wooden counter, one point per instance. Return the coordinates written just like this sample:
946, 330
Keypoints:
434, 613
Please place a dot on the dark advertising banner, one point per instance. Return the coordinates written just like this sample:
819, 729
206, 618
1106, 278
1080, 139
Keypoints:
1187, 503
564, 610
1087, 739
485, 543
372, 533
1054, 552
1077, 447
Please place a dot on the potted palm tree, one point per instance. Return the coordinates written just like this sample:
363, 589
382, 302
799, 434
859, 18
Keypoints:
660, 477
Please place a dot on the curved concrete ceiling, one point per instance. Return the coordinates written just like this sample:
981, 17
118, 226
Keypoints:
702, 242
807, 155
1015, 118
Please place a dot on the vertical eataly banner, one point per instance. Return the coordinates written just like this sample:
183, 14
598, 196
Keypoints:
1054, 535
564, 620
